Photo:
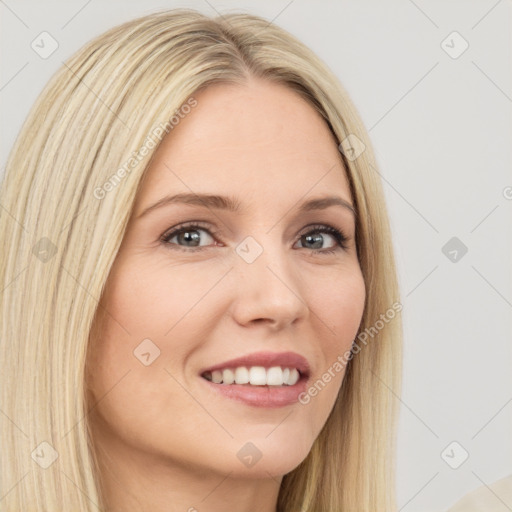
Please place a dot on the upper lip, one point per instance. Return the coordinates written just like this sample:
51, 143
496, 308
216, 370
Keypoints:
267, 360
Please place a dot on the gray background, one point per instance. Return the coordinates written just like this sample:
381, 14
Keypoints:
441, 128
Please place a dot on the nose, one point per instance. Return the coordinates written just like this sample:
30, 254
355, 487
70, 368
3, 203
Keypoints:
267, 290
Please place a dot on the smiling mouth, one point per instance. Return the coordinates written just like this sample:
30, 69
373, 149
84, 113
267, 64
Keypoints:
275, 376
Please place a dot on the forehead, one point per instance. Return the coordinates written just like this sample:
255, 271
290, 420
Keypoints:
260, 140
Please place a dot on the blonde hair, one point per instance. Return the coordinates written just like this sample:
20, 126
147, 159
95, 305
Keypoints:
60, 239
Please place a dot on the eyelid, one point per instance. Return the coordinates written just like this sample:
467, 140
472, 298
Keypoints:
172, 232
339, 234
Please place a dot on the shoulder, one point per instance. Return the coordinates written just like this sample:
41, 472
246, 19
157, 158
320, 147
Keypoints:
495, 497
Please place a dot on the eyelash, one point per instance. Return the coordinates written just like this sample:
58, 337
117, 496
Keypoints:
337, 234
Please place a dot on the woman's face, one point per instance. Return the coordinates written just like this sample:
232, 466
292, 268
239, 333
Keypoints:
270, 279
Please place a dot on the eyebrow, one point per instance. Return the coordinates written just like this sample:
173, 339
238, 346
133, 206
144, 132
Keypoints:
232, 205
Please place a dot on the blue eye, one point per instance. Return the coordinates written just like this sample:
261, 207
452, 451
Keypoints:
314, 236
189, 235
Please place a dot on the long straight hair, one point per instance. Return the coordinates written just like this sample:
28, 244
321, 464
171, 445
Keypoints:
66, 198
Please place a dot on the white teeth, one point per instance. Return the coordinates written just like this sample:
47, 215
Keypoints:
294, 377
242, 375
255, 376
228, 377
258, 376
275, 376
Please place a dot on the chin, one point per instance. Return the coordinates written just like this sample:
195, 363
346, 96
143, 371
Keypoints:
262, 457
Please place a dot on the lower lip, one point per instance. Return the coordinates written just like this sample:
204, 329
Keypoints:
261, 396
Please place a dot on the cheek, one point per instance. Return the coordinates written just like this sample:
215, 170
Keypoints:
145, 301
338, 302
153, 297
338, 306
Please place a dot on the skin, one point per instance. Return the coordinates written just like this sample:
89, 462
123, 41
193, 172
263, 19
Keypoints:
165, 441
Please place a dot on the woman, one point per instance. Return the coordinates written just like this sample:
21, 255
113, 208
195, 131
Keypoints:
200, 306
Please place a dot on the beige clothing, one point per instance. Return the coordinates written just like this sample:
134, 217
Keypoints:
497, 497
